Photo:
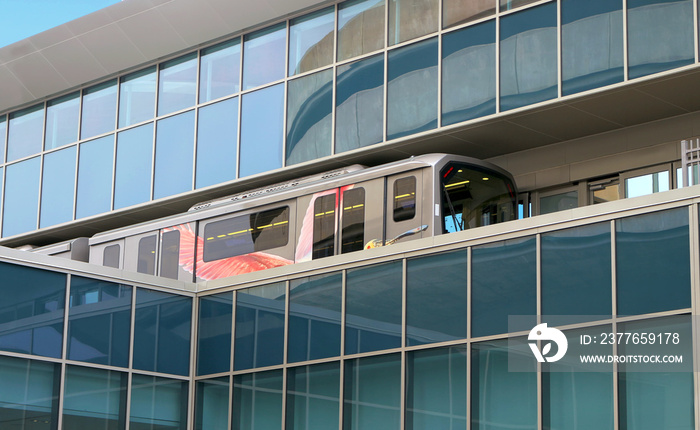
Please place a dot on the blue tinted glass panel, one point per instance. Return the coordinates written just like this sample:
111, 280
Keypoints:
314, 317
177, 86
94, 399
174, 152
132, 182
309, 114
214, 339
3, 135
58, 187
162, 332
95, 177
591, 41
436, 306
31, 317
660, 35
217, 138
62, 121
24, 138
99, 110
313, 397
409, 19
311, 41
359, 104
211, 404
361, 26
257, 401
28, 394
413, 89
21, 205
259, 327
99, 322
503, 283
373, 308
529, 56
653, 250
261, 130
137, 97
220, 70
469, 73
158, 403
372, 393
264, 56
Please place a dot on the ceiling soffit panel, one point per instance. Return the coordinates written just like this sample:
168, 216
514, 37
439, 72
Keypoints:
112, 48
195, 22
38, 75
74, 62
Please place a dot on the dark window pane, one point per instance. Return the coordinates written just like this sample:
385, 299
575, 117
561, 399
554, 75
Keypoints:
28, 394
324, 226
311, 41
313, 397
99, 110
170, 254
409, 19
217, 137
178, 84
58, 187
257, 401
94, 399
455, 12
214, 339
372, 393
62, 121
353, 233
132, 184
404, 198
174, 152
220, 70
309, 114
111, 256
158, 403
558, 202
137, 97
360, 27
261, 130
211, 404
21, 206
24, 137
147, 255
95, 177
263, 56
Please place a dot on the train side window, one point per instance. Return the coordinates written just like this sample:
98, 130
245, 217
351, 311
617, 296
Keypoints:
353, 233
404, 198
170, 254
110, 256
324, 226
147, 255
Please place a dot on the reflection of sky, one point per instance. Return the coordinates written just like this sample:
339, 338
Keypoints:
647, 184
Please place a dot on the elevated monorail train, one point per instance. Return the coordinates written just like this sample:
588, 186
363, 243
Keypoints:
333, 213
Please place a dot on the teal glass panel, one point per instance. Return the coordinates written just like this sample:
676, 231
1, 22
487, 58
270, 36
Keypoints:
591, 38
217, 138
132, 181
220, 70
314, 317
529, 56
409, 19
313, 397
436, 389
177, 86
94, 399
436, 306
162, 332
469, 73
264, 56
28, 394
62, 120
372, 393
3, 137
214, 339
31, 317
58, 187
174, 153
21, 205
309, 114
501, 399
137, 97
212, 404
99, 322
311, 41
257, 401
660, 35
359, 104
361, 25
653, 250
95, 163
24, 136
99, 110
259, 326
261, 130
512, 4
504, 278
158, 403
412, 89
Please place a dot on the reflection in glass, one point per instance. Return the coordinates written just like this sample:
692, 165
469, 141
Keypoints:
174, 153
58, 187
62, 121
264, 56
512, 4
3, 134
309, 114
311, 41
372, 393
413, 89
217, 136
313, 393
21, 206
261, 130
24, 138
132, 182
220, 70
177, 85
211, 404
147, 255
558, 202
95, 177
94, 399
259, 327
214, 337
28, 394
409, 19
647, 184
360, 27
99, 109
457, 12
257, 401
137, 97
158, 403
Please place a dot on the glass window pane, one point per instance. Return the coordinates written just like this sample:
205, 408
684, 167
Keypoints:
313, 397
257, 401
214, 338
212, 404
660, 35
62, 121
174, 153
413, 92
311, 41
512, 4
261, 130
147, 255
264, 56
28, 394
31, 317
309, 114
558, 202
653, 250
353, 219
170, 254
58, 187
99, 322
24, 138
409, 19
529, 56
3, 135
94, 399
158, 403
132, 182
372, 393
21, 206
359, 104
99, 110
314, 317
95, 177
457, 12
111, 256
647, 184
177, 86
469, 73
324, 226
220, 70
137, 97
217, 138
360, 27
404, 199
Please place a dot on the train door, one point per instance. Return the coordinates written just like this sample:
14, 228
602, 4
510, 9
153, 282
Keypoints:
404, 207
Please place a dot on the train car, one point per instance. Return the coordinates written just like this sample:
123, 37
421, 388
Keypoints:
319, 216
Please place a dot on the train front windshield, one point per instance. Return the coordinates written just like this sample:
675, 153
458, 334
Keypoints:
474, 196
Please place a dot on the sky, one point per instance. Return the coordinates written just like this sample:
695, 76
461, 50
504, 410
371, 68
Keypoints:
20, 19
